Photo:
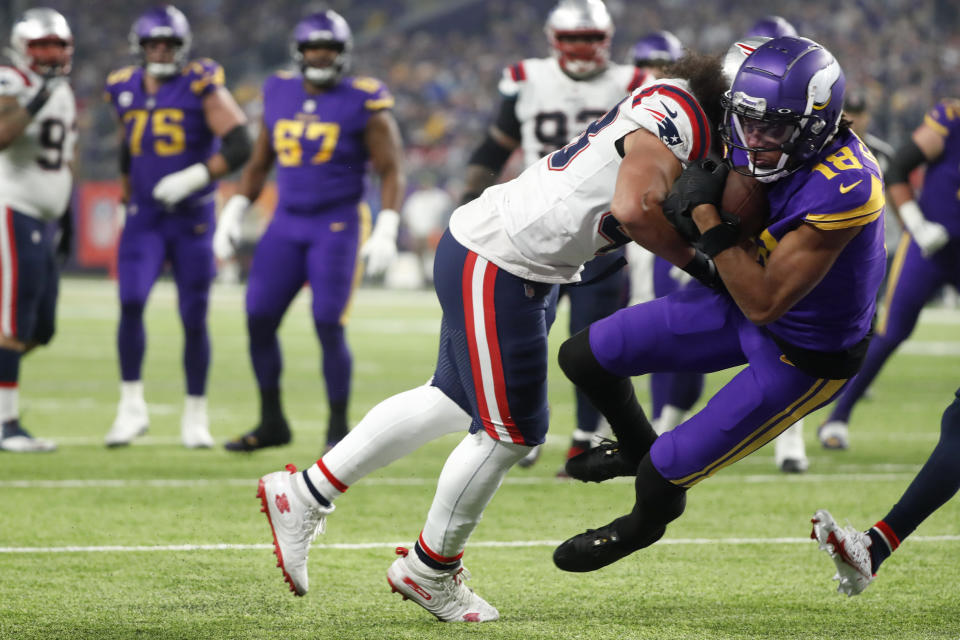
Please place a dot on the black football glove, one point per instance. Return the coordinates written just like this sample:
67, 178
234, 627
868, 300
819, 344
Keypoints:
705, 271
677, 212
702, 183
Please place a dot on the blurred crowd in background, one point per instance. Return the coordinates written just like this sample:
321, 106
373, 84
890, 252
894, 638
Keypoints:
442, 58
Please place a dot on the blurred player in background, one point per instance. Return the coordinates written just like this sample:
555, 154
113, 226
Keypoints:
858, 555
927, 257
798, 313
496, 268
544, 103
38, 121
771, 27
181, 130
320, 127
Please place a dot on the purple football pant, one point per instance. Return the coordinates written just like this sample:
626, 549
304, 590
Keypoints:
493, 344
912, 282
295, 249
680, 390
146, 243
699, 331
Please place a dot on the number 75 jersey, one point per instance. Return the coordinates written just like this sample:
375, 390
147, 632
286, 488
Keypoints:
167, 131
35, 174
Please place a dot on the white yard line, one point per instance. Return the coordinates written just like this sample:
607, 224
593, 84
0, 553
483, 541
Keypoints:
389, 545
130, 483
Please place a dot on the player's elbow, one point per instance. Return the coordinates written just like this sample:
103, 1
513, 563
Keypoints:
637, 214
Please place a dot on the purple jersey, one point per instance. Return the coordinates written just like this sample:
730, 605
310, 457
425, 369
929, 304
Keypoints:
168, 131
940, 200
319, 139
841, 188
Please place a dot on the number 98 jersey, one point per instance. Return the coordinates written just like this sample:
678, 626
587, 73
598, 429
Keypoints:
35, 176
551, 107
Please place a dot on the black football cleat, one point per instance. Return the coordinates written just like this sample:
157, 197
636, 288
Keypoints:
272, 435
596, 548
600, 463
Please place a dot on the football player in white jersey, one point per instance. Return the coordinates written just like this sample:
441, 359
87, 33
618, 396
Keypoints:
544, 103
37, 139
493, 272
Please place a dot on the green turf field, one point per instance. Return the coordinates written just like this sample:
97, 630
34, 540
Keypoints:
154, 541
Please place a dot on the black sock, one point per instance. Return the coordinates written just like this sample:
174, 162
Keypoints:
613, 396
659, 501
879, 549
337, 425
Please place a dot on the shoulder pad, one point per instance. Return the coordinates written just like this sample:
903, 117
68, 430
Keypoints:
511, 78
205, 75
366, 84
120, 75
12, 81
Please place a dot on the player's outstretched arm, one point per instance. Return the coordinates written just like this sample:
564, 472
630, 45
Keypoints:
925, 146
385, 147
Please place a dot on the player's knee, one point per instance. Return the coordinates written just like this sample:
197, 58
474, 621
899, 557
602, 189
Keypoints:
329, 333
131, 309
262, 327
579, 364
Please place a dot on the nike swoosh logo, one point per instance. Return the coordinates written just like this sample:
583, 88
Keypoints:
672, 114
845, 188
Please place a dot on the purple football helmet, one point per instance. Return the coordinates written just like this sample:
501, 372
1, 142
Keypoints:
656, 48
165, 22
788, 97
324, 28
771, 27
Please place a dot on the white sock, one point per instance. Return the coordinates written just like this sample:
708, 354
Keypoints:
131, 392
471, 476
9, 403
789, 444
192, 404
397, 426
670, 416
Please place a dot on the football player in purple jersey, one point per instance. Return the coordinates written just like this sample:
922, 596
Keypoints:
859, 554
798, 309
928, 256
38, 121
320, 128
181, 130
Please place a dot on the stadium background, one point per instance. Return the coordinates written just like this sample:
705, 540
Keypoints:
442, 58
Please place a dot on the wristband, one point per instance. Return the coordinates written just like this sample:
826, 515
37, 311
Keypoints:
720, 237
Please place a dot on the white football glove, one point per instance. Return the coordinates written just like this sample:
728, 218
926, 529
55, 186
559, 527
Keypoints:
930, 236
381, 247
178, 185
227, 236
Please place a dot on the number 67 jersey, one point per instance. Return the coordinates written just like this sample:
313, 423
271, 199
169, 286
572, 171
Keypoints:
35, 174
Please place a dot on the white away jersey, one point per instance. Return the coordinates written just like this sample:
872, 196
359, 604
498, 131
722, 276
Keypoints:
35, 176
544, 224
552, 107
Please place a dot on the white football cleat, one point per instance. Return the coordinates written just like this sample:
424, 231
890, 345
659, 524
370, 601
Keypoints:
789, 451
195, 425
834, 435
442, 593
849, 549
295, 520
16, 439
131, 422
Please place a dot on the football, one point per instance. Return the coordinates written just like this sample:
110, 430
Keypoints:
746, 198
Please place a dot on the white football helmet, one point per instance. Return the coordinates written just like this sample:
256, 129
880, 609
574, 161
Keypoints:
580, 32
30, 36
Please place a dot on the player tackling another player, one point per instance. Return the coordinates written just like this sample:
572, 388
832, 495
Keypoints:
494, 270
